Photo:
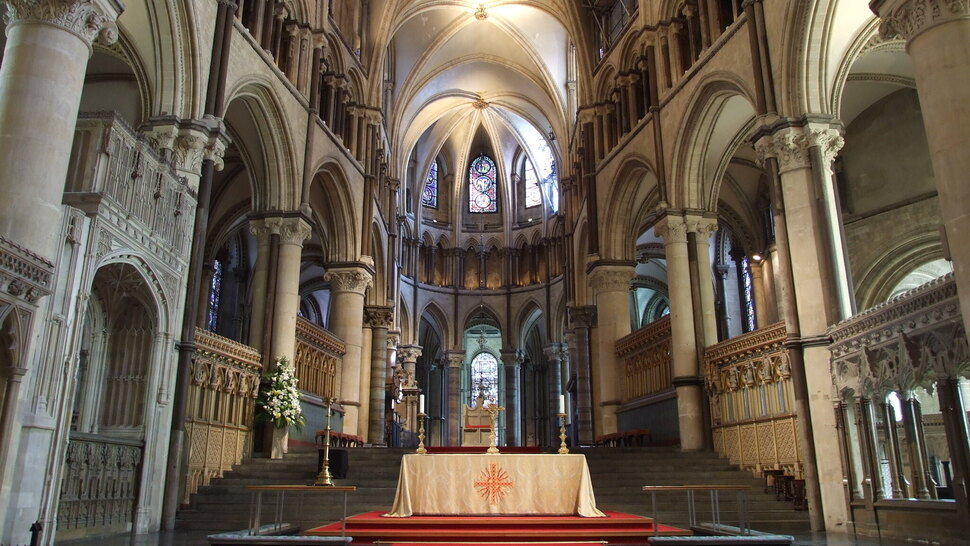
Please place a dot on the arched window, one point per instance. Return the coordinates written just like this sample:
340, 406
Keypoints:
484, 377
481, 185
533, 193
215, 289
430, 196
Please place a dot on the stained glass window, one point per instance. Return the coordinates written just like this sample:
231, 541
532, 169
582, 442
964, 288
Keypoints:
215, 287
481, 185
533, 194
484, 376
748, 295
430, 196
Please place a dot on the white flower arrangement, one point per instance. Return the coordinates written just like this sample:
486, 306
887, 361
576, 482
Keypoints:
279, 399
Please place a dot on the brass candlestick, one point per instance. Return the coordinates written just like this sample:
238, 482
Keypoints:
493, 410
421, 418
325, 478
562, 434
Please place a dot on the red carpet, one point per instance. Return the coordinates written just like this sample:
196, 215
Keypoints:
617, 528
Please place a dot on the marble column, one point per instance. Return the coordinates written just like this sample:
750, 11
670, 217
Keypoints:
513, 402
683, 344
455, 360
937, 38
347, 287
556, 353
611, 289
292, 232
378, 319
582, 319
702, 228
41, 78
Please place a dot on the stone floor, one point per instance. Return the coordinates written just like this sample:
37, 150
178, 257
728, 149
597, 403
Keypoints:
185, 538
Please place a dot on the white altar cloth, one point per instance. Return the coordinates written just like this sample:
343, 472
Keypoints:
499, 484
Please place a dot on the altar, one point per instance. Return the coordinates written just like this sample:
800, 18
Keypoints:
494, 484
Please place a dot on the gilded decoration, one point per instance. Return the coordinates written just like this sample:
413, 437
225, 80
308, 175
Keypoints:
646, 359
748, 381
317, 361
217, 429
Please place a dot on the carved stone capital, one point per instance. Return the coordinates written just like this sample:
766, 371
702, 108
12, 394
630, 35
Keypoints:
393, 339
791, 146
354, 279
611, 278
583, 316
455, 359
828, 141
377, 316
909, 18
189, 142
556, 351
672, 229
293, 230
89, 20
702, 226
408, 354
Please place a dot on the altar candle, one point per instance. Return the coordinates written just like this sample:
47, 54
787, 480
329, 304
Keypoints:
562, 403
420, 403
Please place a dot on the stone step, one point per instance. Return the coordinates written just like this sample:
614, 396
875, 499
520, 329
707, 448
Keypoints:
617, 475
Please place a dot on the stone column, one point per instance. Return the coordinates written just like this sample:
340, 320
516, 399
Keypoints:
455, 359
41, 78
378, 319
700, 230
582, 319
513, 402
556, 353
292, 232
611, 289
260, 277
809, 292
683, 345
937, 38
347, 287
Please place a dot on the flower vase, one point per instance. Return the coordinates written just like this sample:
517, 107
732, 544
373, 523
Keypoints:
280, 439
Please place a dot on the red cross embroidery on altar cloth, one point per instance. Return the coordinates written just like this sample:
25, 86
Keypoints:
493, 483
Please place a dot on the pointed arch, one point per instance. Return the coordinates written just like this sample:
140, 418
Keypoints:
268, 152
334, 212
720, 117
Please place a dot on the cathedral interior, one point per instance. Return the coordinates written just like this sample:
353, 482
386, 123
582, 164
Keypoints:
733, 224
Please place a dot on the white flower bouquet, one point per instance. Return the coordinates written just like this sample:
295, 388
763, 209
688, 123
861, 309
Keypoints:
279, 400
